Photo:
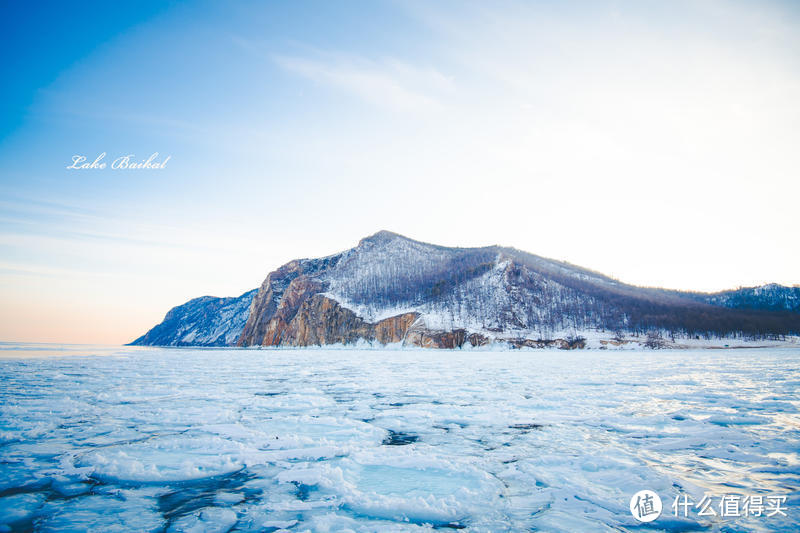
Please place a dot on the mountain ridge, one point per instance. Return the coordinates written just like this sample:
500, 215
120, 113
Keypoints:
393, 289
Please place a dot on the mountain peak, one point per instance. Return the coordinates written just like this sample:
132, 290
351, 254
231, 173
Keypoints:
381, 237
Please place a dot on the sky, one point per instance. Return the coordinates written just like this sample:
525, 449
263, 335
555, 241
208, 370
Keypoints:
655, 142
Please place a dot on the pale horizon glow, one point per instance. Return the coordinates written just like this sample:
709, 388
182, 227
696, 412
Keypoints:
650, 142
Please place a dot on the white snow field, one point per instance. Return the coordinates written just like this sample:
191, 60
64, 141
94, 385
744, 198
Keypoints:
141, 439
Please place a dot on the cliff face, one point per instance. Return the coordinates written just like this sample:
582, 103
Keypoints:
290, 309
390, 289
320, 320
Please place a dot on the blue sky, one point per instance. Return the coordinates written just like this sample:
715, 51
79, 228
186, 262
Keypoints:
654, 142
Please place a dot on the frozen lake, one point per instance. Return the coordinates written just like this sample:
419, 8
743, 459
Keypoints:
126, 439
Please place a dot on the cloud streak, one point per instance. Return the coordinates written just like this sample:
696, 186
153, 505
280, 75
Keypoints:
387, 83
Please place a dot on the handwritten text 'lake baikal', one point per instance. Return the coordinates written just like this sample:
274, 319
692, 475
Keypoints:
124, 162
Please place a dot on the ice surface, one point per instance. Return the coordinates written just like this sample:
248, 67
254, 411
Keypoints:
392, 440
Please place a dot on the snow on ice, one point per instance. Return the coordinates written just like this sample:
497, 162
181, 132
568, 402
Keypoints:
402, 440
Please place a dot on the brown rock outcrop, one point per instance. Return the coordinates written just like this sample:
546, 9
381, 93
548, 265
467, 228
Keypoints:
476, 339
437, 339
321, 320
290, 311
265, 304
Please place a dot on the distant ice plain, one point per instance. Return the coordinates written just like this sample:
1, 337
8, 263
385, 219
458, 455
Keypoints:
150, 439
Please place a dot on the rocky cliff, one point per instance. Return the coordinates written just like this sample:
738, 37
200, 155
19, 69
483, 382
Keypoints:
391, 289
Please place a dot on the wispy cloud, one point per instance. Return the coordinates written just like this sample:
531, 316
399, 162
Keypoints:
386, 82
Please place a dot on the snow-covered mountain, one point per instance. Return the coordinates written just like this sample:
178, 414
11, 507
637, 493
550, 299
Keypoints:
391, 289
204, 321
770, 297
